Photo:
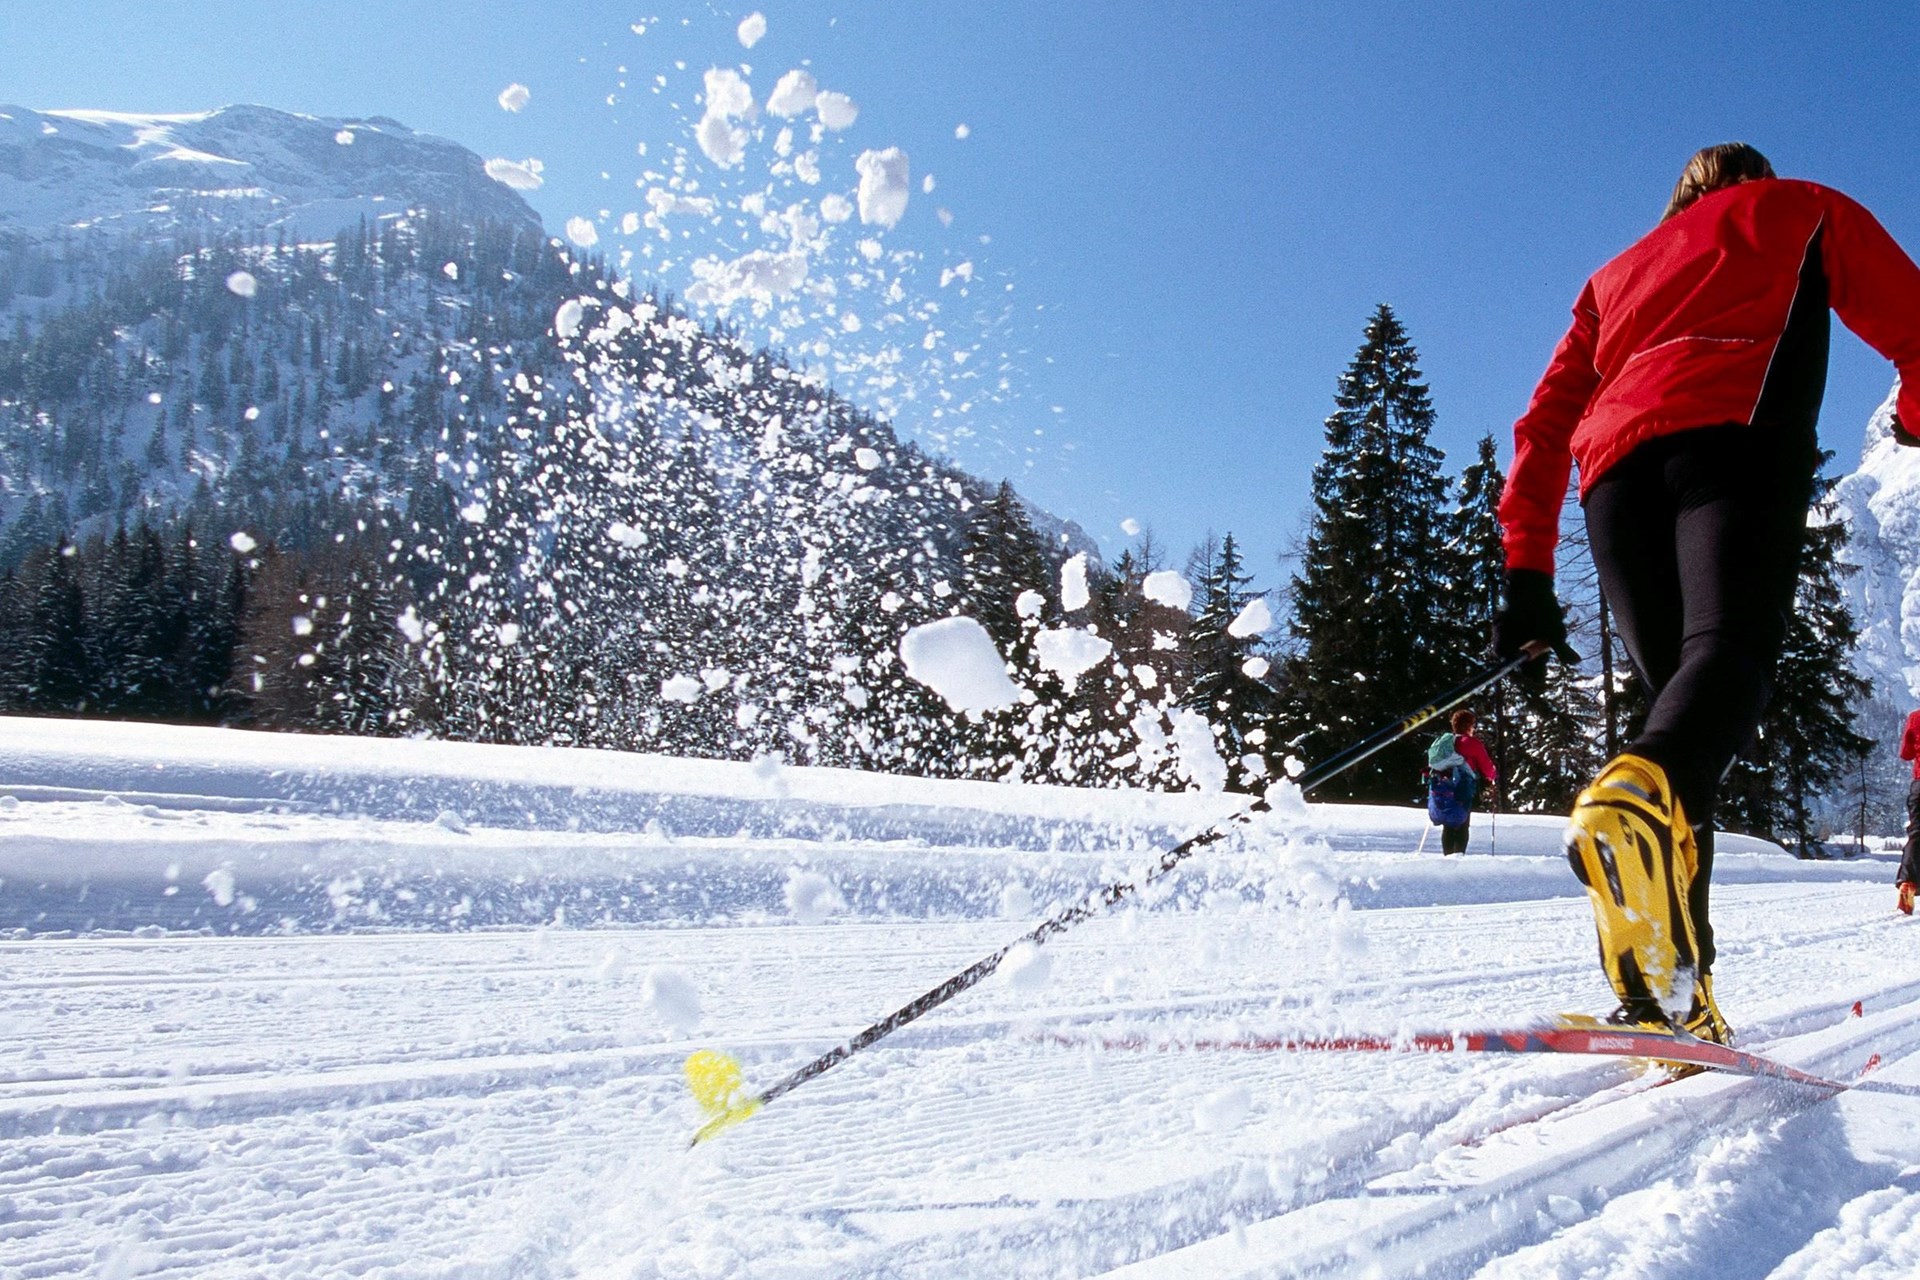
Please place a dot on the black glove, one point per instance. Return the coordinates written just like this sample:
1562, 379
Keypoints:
1532, 613
1903, 436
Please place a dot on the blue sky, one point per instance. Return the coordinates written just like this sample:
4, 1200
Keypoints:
1197, 206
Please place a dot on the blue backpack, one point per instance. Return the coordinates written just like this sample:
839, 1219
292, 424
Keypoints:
1451, 783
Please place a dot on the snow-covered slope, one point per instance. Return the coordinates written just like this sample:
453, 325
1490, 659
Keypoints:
269, 1077
242, 166
1880, 504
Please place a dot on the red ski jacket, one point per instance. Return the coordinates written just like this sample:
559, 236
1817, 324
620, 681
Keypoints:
1910, 742
1717, 315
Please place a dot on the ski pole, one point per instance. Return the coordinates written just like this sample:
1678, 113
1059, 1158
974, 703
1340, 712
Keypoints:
716, 1080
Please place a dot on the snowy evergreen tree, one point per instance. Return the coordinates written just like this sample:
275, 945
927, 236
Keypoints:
1374, 630
1806, 745
1479, 572
1554, 737
1554, 742
60, 676
1238, 704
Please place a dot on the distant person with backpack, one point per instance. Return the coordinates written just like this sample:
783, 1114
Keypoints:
1908, 878
1458, 767
1688, 389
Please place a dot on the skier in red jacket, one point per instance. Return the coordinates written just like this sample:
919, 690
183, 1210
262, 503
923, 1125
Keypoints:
1688, 389
1908, 878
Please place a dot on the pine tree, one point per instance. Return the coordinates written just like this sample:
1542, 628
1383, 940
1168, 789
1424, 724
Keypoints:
1003, 557
1478, 571
1478, 575
1554, 742
1222, 690
60, 674
1806, 744
1371, 619
1553, 739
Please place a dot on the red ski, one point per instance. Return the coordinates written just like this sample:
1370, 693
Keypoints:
1567, 1033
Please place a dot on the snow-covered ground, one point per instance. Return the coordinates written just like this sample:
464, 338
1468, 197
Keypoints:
286, 1006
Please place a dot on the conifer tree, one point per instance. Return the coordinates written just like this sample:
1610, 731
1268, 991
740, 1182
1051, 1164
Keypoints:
1371, 619
1003, 557
1554, 737
60, 676
1554, 742
1222, 690
1480, 564
1479, 572
1806, 744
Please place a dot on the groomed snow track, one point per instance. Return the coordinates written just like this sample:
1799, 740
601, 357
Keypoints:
442, 1102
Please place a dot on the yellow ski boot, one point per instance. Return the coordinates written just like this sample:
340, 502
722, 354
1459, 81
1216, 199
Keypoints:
1703, 1020
1630, 845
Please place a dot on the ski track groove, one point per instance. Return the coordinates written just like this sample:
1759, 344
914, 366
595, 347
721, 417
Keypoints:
304, 1180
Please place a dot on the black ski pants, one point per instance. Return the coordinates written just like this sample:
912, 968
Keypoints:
1910, 860
1697, 539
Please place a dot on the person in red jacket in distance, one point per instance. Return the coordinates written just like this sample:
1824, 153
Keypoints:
1908, 878
1688, 390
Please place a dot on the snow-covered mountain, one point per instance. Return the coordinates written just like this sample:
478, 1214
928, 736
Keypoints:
241, 166
1880, 504
554, 506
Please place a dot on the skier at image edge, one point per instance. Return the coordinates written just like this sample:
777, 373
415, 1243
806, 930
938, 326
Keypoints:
1908, 877
1688, 390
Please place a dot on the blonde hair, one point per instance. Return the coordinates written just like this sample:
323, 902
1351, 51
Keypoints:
1713, 168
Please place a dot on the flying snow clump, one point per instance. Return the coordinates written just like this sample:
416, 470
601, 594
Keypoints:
956, 658
760, 277
1016, 901
1130, 527
671, 995
811, 897
521, 175
682, 689
866, 459
219, 883
1199, 758
837, 110
793, 94
1029, 604
1070, 652
514, 97
728, 97
242, 542
751, 28
1255, 667
1168, 587
1028, 966
410, 626
582, 232
962, 132
566, 321
1073, 583
242, 284
1253, 619
344, 137
883, 185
